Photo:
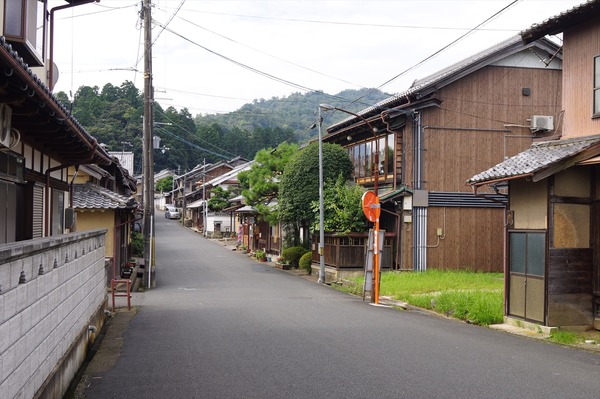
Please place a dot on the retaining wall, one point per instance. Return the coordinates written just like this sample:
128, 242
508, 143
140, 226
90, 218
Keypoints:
52, 299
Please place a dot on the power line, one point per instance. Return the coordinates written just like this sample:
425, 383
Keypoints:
364, 24
271, 55
252, 69
448, 45
193, 135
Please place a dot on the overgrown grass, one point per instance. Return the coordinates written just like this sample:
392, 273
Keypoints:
565, 337
472, 296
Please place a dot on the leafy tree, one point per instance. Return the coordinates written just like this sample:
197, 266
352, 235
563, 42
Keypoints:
260, 184
342, 208
219, 199
165, 184
300, 182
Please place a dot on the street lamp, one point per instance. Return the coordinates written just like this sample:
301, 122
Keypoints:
321, 206
374, 131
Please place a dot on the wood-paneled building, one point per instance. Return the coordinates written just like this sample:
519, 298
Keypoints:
552, 222
431, 138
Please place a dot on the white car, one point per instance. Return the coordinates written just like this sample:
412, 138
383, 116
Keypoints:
172, 213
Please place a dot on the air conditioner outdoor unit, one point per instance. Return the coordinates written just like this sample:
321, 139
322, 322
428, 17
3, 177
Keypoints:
542, 123
5, 125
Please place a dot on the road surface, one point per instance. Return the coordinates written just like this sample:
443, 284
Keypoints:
221, 325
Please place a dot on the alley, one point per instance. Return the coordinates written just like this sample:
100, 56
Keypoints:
221, 325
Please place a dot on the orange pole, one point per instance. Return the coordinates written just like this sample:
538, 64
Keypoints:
376, 251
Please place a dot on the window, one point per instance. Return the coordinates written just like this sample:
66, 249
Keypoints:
24, 29
363, 158
597, 86
58, 212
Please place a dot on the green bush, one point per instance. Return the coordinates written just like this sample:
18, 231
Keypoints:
293, 255
306, 262
137, 243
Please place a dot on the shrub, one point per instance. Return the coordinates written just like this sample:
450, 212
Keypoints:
137, 243
306, 262
293, 255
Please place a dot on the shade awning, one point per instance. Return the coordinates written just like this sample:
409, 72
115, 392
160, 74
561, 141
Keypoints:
196, 204
390, 195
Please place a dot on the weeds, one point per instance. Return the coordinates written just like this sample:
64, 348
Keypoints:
564, 337
471, 296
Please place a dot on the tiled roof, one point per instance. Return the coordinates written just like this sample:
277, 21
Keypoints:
90, 196
557, 24
425, 86
537, 158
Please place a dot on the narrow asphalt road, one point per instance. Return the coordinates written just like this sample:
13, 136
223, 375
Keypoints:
221, 325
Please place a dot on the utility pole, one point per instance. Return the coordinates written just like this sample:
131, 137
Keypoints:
148, 152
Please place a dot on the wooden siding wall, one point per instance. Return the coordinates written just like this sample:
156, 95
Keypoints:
581, 45
472, 239
486, 100
569, 279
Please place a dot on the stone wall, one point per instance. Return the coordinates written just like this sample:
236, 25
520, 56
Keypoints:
52, 299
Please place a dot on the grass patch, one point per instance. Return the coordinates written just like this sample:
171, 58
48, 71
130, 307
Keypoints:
471, 296
564, 337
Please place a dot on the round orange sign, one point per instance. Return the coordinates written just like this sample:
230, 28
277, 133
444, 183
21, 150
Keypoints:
370, 206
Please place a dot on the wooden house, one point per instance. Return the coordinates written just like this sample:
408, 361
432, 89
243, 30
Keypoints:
552, 223
432, 137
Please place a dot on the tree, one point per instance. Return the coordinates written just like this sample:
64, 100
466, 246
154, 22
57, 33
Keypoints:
260, 184
219, 199
300, 183
342, 206
165, 184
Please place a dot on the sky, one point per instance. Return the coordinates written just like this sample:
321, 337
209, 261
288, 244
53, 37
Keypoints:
213, 56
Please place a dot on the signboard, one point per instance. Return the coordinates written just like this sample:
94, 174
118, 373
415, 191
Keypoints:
370, 206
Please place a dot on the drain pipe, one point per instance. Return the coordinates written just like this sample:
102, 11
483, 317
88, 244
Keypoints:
420, 213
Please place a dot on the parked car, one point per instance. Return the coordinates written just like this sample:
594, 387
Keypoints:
172, 213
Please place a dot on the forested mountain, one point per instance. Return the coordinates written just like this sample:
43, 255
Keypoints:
114, 116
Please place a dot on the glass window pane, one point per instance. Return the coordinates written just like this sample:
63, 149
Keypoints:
13, 18
517, 252
356, 161
382, 159
368, 160
390, 156
58, 212
597, 72
536, 253
362, 160
571, 226
597, 101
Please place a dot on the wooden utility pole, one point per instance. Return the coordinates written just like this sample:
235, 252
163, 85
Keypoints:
147, 149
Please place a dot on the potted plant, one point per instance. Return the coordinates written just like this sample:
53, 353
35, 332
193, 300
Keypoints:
281, 263
261, 255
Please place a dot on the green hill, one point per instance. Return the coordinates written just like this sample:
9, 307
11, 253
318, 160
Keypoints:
113, 115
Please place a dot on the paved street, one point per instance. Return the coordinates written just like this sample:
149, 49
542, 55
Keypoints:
221, 325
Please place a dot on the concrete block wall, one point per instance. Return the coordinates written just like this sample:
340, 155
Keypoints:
51, 291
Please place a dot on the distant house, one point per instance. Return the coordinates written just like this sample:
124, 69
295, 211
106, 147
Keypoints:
97, 206
432, 137
191, 188
552, 235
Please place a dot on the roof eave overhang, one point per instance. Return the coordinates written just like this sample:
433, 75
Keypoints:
41, 120
562, 22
